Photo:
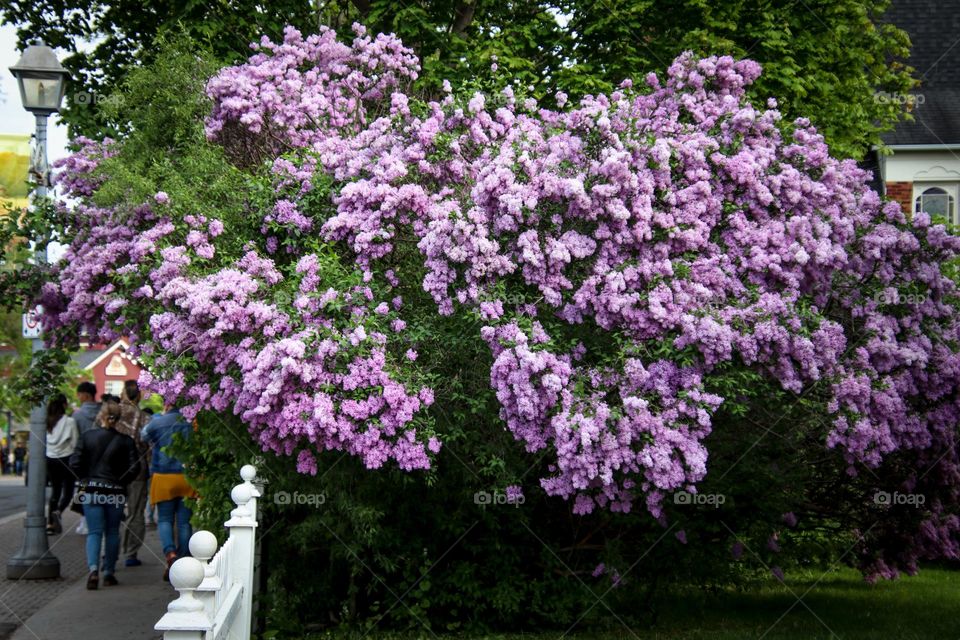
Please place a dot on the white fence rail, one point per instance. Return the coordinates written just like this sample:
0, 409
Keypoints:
216, 586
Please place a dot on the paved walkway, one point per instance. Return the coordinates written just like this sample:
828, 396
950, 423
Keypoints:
13, 495
63, 608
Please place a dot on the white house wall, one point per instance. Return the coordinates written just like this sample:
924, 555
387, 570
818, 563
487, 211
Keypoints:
921, 166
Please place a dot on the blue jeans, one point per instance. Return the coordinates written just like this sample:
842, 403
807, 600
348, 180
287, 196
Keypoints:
103, 519
151, 510
166, 512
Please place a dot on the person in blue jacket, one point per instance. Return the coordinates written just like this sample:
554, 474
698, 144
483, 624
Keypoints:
168, 485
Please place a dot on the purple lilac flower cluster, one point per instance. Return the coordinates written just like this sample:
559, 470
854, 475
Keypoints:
77, 172
674, 215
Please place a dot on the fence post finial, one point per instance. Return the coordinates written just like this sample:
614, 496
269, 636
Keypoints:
242, 515
249, 472
186, 574
203, 546
185, 617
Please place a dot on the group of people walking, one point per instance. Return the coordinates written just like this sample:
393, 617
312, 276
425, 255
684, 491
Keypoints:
101, 460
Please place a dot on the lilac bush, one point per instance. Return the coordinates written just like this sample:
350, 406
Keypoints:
614, 255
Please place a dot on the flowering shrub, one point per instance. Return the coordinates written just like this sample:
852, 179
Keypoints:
616, 258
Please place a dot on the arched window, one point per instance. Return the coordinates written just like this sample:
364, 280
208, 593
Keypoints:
936, 202
116, 366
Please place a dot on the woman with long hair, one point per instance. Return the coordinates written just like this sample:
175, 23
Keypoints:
62, 436
106, 461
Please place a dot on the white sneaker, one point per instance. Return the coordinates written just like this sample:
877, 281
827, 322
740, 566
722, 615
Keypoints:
82, 527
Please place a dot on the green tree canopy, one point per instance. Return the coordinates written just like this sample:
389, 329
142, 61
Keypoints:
826, 59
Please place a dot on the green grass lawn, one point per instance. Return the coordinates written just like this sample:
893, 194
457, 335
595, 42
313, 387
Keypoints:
840, 605
837, 605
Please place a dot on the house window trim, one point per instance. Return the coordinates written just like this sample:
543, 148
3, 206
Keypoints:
952, 189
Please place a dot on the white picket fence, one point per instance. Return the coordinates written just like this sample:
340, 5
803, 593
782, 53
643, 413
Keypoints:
216, 586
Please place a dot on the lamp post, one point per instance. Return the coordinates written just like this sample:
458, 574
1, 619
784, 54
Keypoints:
42, 81
9, 436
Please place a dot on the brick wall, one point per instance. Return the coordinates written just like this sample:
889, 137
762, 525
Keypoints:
902, 192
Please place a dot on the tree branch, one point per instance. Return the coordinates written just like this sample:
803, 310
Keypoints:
463, 17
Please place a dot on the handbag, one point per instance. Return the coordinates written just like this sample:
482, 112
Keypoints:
80, 495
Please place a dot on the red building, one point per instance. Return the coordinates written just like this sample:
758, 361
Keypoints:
109, 366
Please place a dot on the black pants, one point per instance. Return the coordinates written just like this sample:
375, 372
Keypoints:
61, 482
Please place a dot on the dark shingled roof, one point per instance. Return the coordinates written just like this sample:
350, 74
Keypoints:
936, 121
87, 356
934, 29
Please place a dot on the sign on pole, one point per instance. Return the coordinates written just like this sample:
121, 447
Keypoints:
32, 328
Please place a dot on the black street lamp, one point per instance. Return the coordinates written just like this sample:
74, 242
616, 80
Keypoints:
42, 81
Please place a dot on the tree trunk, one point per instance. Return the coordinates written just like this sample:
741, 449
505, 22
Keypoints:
463, 17
363, 6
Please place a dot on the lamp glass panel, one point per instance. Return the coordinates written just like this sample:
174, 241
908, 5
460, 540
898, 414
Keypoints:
41, 93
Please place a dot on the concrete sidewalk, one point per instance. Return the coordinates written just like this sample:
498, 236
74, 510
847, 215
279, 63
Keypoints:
64, 608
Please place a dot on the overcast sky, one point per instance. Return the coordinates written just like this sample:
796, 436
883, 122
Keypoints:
13, 118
